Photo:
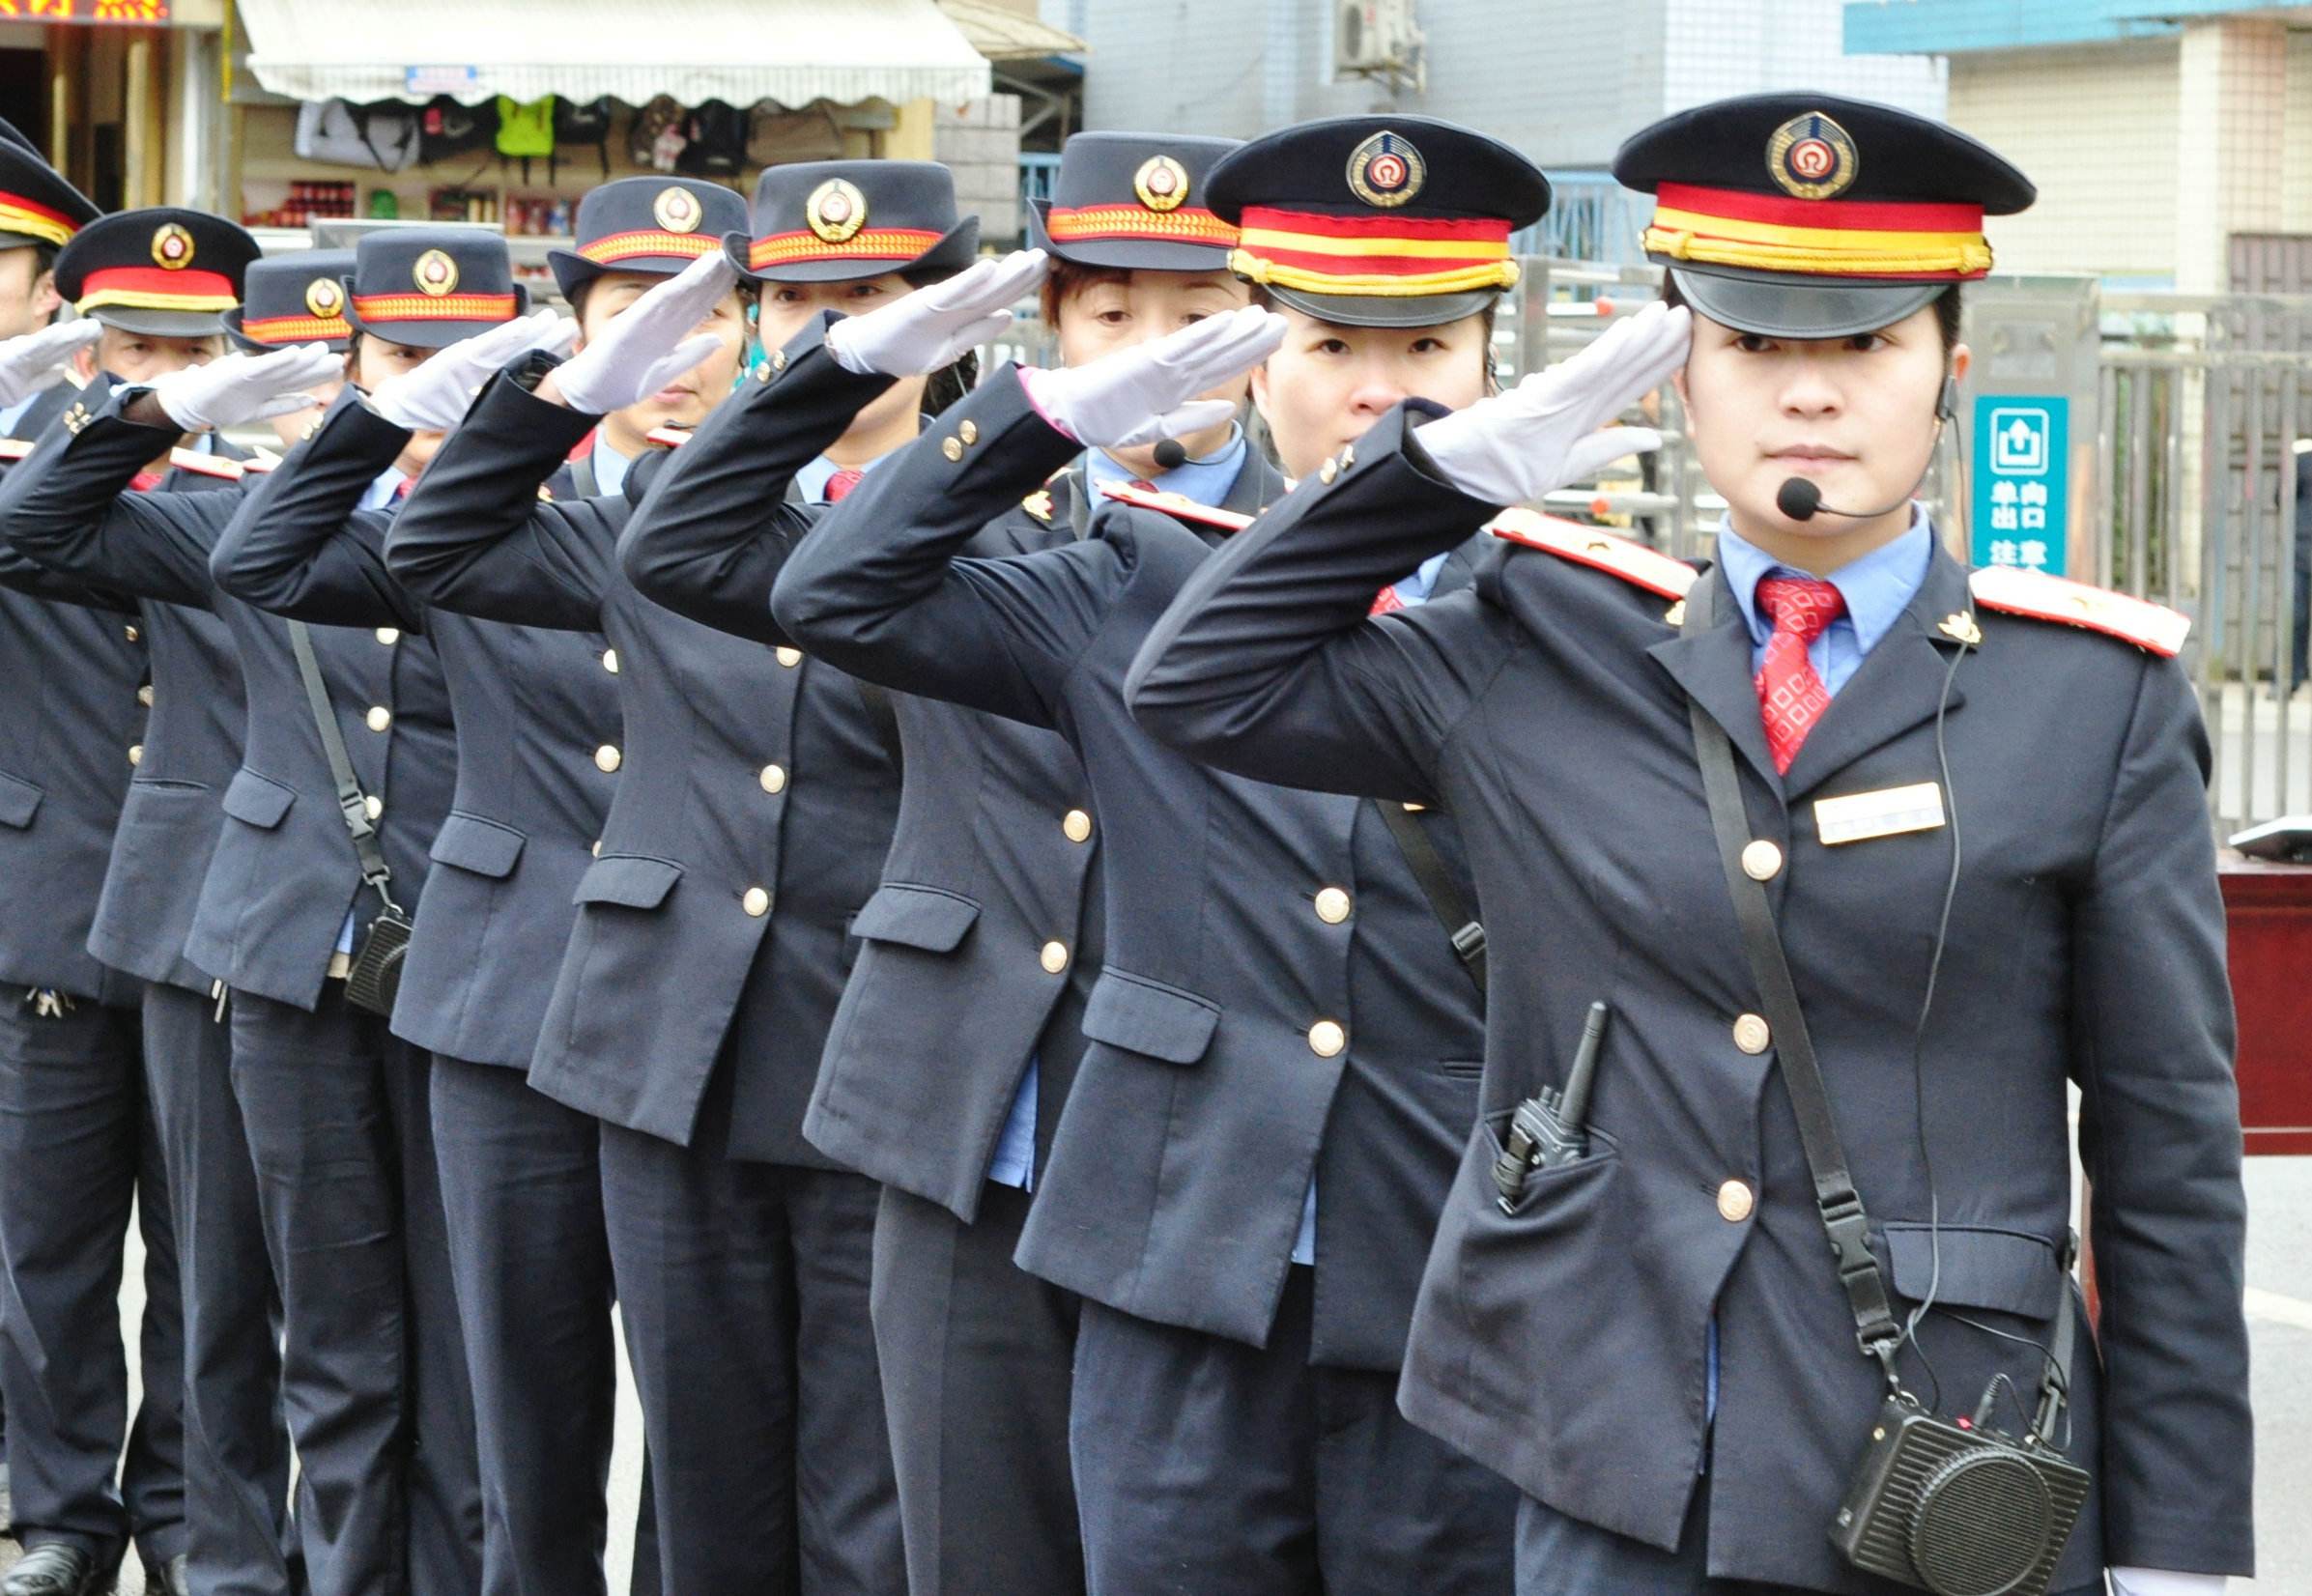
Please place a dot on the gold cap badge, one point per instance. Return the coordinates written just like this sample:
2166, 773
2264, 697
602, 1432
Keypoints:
1385, 170
1812, 157
836, 211
677, 210
1161, 183
325, 298
172, 247
436, 274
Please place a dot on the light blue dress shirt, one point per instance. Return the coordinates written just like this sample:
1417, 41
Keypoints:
609, 466
1207, 480
13, 413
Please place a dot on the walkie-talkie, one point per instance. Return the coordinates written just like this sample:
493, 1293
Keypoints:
1547, 1130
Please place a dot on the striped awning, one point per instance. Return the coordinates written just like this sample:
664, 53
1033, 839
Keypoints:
791, 52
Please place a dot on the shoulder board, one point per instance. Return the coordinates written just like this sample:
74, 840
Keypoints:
1632, 561
14, 448
206, 464
1037, 505
2012, 590
667, 438
1180, 506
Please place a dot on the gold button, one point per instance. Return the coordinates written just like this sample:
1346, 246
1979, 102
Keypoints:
597, 848
1325, 1039
136, 754
773, 779
1055, 956
379, 717
373, 805
762, 371
1761, 861
130, 633
953, 448
1077, 825
1332, 906
1348, 455
610, 661
790, 657
1751, 1034
968, 430
778, 359
144, 695
1735, 1202
1328, 471
607, 757
389, 634
756, 902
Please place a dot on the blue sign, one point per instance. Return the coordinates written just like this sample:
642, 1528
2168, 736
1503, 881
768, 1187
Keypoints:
2022, 480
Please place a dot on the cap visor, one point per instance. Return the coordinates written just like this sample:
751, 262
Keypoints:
160, 324
1386, 309
1125, 254
955, 250
1785, 305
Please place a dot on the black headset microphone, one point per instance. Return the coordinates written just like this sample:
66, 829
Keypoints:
1801, 500
1171, 454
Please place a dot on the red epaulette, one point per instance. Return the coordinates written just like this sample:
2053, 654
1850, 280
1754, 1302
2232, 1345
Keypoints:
2014, 590
581, 448
1632, 561
1180, 506
14, 448
206, 464
668, 437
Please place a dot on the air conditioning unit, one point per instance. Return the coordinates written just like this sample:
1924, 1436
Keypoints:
1373, 36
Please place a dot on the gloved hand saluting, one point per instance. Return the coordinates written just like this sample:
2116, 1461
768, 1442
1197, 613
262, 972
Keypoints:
1543, 433
34, 362
233, 388
933, 327
644, 346
1147, 392
434, 397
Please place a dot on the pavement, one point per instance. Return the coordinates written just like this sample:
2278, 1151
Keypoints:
2279, 1307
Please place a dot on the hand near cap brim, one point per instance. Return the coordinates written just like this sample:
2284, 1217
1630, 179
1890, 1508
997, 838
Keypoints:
1514, 448
435, 396
34, 362
647, 345
236, 388
1147, 392
931, 328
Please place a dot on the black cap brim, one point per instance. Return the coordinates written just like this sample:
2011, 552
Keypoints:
1388, 310
1125, 254
241, 341
418, 334
160, 324
955, 250
25, 240
1788, 305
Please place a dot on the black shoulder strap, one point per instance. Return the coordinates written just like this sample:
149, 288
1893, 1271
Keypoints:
1438, 885
350, 801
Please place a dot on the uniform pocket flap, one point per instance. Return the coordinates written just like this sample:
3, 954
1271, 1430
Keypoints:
19, 801
1148, 1017
483, 846
629, 879
1981, 1267
928, 917
258, 800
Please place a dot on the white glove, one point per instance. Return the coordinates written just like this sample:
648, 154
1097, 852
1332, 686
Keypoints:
233, 388
1543, 433
434, 397
644, 346
2151, 1581
933, 327
1146, 393
34, 362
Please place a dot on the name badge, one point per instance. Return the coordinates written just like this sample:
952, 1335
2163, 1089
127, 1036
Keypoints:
1859, 817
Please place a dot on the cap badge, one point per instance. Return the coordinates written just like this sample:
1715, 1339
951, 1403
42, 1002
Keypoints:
677, 210
172, 249
836, 211
435, 274
325, 298
1161, 183
1385, 170
1812, 157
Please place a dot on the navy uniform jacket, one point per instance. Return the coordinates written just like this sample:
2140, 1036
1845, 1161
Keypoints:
992, 859
536, 714
755, 806
1564, 1345
1277, 999
67, 718
284, 872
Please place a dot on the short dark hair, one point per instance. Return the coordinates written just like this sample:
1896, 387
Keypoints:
1261, 296
1069, 278
1947, 306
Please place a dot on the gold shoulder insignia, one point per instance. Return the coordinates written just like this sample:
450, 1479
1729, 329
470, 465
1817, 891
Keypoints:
545, 494
206, 464
1632, 561
668, 437
2011, 590
14, 448
1180, 506
1038, 505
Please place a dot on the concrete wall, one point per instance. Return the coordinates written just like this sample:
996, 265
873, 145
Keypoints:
980, 142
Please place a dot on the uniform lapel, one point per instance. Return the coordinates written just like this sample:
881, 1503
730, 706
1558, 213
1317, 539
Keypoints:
1713, 669
1258, 485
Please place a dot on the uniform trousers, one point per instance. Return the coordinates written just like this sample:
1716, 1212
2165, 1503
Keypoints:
82, 1147
240, 1540
1207, 1468
522, 1191
373, 1372
744, 1290
978, 1356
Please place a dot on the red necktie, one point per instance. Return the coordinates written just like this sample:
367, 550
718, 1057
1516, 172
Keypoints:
1791, 697
842, 483
1386, 602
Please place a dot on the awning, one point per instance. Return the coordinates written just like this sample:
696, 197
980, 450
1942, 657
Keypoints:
1001, 34
791, 52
